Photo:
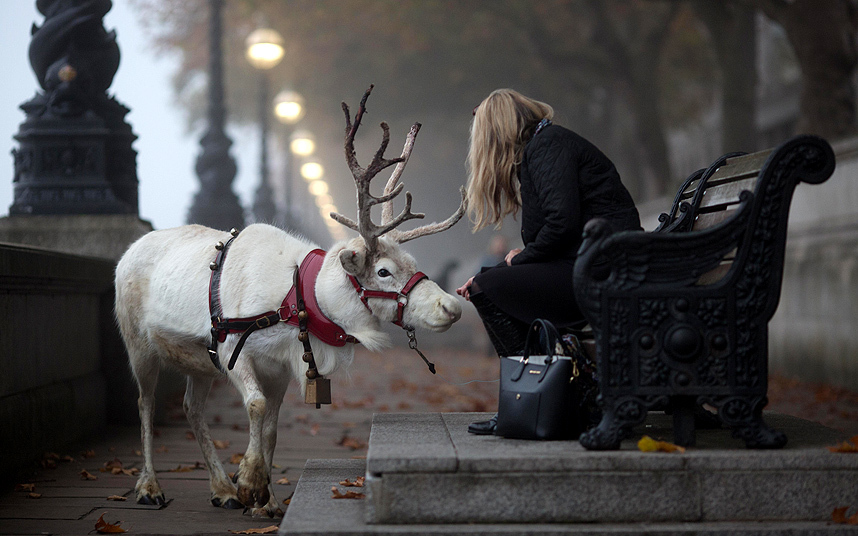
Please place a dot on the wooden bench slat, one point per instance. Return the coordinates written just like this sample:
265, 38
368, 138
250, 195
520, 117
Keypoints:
705, 220
735, 170
727, 193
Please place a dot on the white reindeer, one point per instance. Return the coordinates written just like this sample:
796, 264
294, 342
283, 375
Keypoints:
162, 305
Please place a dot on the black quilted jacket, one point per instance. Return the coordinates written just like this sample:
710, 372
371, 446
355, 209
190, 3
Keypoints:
566, 181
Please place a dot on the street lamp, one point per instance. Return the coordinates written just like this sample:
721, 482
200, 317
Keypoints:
302, 143
264, 51
289, 108
312, 170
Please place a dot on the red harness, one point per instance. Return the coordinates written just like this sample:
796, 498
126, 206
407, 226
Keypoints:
302, 292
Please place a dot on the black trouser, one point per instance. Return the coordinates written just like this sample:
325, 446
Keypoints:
506, 333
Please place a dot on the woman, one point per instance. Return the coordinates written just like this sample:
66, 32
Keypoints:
520, 160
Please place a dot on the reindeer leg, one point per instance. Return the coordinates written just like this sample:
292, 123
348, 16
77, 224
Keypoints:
146, 368
253, 473
223, 492
269, 442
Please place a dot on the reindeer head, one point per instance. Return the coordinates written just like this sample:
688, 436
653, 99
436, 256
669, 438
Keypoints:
374, 259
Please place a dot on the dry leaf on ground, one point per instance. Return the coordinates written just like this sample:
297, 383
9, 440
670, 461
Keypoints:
839, 516
162, 448
236, 458
846, 446
220, 444
25, 487
117, 498
264, 530
337, 494
356, 483
34, 495
288, 499
283, 481
88, 454
648, 444
86, 475
103, 527
352, 443
190, 436
188, 468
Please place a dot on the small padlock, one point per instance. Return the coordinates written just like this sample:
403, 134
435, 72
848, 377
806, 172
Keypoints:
318, 392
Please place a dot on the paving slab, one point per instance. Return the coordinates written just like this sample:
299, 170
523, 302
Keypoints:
420, 473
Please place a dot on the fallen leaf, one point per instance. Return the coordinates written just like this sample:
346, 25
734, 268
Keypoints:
264, 530
117, 498
88, 453
187, 468
86, 475
138, 452
283, 481
34, 495
288, 500
25, 487
103, 527
648, 444
846, 446
302, 418
337, 494
221, 445
67, 458
357, 483
315, 429
162, 448
51, 456
236, 458
839, 516
352, 443
113, 466
131, 472
190, 436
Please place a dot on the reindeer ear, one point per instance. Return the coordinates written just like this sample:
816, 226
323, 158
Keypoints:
352, 260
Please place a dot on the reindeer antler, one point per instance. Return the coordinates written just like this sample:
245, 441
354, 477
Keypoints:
365, 200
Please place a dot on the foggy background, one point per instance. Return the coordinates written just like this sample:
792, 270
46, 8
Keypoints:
644, 80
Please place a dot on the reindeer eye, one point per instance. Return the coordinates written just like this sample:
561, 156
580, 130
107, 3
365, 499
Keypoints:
383, 273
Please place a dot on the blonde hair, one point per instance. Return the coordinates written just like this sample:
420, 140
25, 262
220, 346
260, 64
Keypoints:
503, 124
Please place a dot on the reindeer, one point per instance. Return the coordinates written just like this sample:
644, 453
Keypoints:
168, 317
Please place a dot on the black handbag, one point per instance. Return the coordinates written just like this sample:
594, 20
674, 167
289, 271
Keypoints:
542, 392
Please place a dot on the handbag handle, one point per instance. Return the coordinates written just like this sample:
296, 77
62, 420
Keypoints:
544, 335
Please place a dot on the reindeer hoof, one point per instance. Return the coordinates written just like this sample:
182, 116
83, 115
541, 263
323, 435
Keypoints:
230, 504
149, 500
266, 512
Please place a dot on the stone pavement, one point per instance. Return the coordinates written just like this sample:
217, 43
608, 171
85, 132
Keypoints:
395, 381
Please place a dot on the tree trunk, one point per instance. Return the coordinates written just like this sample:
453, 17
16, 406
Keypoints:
822, 34
734, 33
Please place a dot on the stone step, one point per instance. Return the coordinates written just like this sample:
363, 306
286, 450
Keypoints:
424, 468
313, 512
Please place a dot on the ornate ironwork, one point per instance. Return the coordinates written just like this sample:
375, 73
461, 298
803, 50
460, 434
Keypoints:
663, 339
75, 154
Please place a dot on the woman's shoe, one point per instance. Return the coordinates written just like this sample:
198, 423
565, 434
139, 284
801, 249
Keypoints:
484, 427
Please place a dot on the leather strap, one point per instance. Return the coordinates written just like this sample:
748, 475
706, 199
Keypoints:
401, 297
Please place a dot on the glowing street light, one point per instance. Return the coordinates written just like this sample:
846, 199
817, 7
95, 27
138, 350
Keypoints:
312, 170
264, 48
289, 107
302, 143
318, 187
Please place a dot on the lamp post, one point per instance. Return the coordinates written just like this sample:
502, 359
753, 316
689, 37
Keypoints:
264, 51
216, 205
289, 109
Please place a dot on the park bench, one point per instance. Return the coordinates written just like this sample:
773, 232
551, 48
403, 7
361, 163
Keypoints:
681, 318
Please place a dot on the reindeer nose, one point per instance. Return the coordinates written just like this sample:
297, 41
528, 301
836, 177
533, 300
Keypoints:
452, 315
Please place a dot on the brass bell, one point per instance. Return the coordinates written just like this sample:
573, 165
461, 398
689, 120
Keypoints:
302, 315
303, 336
219, 246
307, 357
233, 232
318, 392
213, 266
312, 373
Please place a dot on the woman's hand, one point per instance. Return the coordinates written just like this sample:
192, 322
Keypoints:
512, 253
465, 290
